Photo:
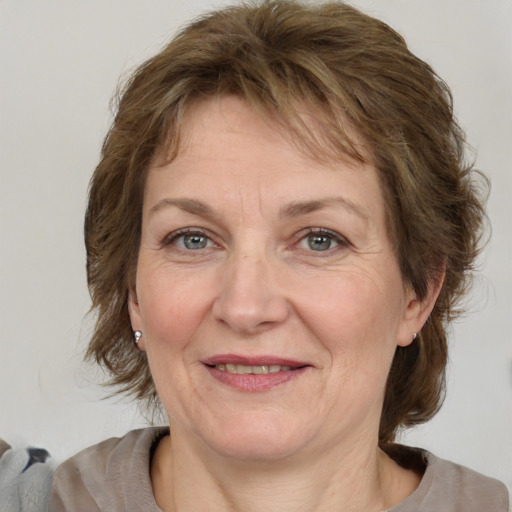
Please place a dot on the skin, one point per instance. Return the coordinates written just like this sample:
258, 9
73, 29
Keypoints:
255, 282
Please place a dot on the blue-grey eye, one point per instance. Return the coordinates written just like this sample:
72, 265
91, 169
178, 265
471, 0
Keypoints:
194, 242
320, 242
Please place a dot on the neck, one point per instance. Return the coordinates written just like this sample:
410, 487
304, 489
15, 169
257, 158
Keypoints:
361, 478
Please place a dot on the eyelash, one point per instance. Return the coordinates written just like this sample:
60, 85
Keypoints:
341, 241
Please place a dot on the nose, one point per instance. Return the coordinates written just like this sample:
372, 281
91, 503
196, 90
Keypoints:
250, 299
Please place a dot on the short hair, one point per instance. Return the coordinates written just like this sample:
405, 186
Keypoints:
285, 58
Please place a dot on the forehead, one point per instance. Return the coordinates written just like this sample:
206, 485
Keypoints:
210, 123
228, 147
320, 134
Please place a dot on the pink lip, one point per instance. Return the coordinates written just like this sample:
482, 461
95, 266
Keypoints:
264, 360
252, 382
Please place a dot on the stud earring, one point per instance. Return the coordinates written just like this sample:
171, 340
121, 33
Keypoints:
414, 336
137, 335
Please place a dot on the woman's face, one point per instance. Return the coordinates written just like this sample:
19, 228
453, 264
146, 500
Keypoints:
267, 290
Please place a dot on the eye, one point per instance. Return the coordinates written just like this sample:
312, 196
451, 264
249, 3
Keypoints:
190, 240
321, 240
194, 242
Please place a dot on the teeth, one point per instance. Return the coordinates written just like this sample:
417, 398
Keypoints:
256, 370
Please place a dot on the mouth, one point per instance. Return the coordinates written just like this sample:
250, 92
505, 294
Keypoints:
242, 369
253, 373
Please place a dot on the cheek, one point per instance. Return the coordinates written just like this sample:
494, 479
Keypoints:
171, 309
356, 318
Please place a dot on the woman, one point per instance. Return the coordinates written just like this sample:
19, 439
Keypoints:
278, 232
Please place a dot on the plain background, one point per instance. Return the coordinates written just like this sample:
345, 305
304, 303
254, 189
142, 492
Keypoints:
60, 61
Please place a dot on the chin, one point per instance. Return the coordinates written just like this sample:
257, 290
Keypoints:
256, 439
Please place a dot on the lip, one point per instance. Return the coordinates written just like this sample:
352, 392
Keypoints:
263, 360
253, 382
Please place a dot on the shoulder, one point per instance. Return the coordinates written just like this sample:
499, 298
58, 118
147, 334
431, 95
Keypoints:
468, 483
112, 475
450, 487
25, 479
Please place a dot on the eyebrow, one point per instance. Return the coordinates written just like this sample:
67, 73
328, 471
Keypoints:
189, 205
294, 209
298, 208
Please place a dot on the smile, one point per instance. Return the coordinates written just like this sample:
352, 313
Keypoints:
254, 373
242, 369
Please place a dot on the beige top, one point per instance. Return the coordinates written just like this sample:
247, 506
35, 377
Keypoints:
114, 476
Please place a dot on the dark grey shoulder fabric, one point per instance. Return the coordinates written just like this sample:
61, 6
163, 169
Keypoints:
114, 476
109, 477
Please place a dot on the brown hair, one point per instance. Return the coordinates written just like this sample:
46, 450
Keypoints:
286, 57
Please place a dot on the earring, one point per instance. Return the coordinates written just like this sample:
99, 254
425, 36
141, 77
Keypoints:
137, 335
414, 336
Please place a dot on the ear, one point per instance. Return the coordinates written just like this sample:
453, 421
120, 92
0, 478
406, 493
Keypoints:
135, 317
418, 310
